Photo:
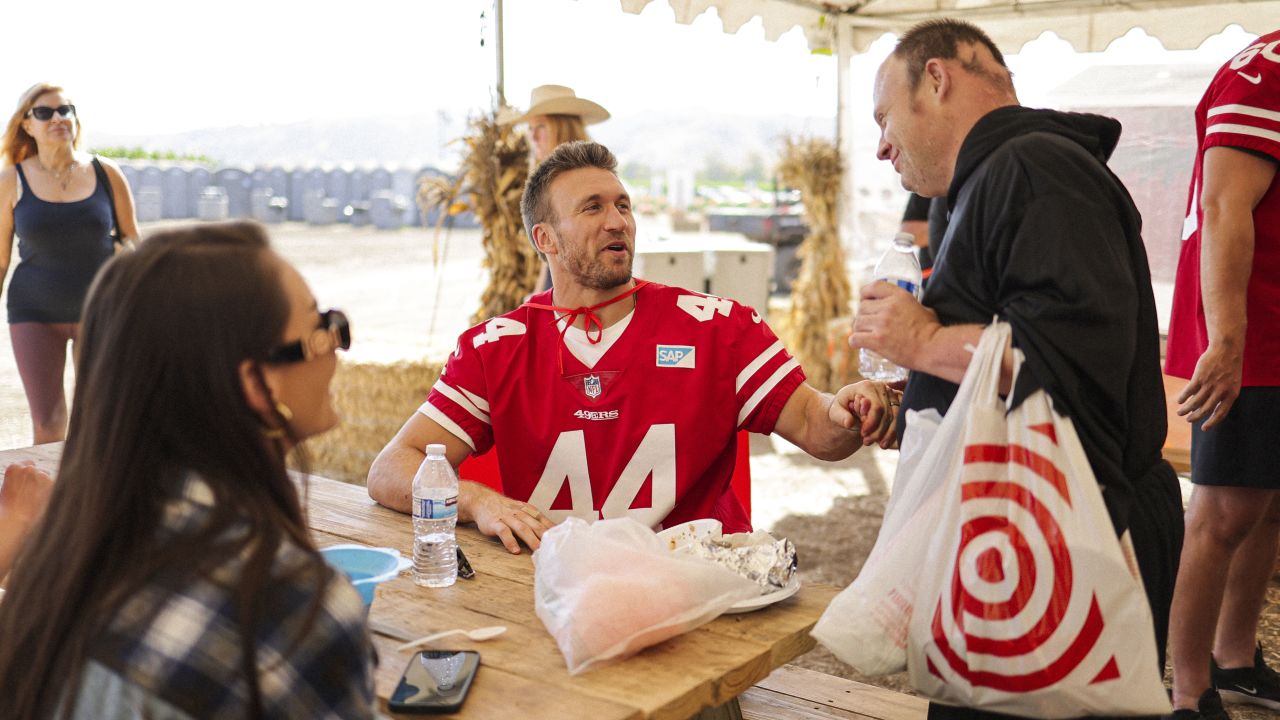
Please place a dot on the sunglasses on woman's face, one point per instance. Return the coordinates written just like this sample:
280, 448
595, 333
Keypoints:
334, 333
44, 114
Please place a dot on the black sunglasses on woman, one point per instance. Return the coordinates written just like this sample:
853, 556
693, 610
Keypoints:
333, 333
44, 113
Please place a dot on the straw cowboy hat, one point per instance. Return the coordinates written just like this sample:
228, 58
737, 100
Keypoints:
556, 100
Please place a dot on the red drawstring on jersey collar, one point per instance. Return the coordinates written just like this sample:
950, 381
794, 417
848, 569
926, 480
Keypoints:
588, 314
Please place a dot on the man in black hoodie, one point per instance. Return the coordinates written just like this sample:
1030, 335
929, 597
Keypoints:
1043, 235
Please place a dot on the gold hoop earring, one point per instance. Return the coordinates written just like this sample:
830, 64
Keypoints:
285, 414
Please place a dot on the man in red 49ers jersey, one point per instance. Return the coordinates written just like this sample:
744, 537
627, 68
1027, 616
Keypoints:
1224, 334
609, 396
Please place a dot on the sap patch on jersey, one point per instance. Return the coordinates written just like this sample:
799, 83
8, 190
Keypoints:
676, 356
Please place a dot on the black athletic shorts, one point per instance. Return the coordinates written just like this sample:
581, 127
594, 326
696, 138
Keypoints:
1244, 449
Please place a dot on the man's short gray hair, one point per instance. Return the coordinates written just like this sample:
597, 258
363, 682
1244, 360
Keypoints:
535, 204
941, 38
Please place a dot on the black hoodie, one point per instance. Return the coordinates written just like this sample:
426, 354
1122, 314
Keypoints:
1043, 235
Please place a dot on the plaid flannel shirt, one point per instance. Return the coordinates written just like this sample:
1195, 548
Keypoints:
173, 650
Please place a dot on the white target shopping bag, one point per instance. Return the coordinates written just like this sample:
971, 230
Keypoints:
1028, 605
866, 624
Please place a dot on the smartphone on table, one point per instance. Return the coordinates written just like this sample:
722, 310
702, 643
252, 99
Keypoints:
435, 681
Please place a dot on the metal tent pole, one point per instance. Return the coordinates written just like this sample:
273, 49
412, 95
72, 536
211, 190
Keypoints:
498, 48
847, 223
841, 92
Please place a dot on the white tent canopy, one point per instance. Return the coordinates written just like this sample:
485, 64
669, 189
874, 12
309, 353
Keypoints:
1089, 25
848, 27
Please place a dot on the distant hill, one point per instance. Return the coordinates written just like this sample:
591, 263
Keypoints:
410, 140
656, 140
664, 140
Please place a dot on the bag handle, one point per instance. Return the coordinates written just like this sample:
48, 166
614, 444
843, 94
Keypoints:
988, 359
105, 182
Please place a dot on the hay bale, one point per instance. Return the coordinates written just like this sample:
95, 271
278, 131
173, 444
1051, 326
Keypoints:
374, 400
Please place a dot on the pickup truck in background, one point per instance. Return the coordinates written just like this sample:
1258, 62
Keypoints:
781, 227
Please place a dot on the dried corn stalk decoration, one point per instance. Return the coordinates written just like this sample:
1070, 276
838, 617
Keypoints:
492, 176
821, 292
440, 191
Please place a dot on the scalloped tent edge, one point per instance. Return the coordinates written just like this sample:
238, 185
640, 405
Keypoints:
1089, 25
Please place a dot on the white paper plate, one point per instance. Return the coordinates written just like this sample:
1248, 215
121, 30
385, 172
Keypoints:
683, 534
766, 600
677, 536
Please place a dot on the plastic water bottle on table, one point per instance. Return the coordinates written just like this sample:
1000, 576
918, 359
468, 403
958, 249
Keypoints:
899, 266
435, 515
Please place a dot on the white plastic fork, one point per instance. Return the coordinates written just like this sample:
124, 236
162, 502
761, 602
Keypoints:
478, 635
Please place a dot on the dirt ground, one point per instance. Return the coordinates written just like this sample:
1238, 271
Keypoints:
833, 545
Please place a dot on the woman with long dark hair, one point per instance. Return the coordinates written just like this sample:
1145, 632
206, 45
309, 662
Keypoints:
62, 203
172, 575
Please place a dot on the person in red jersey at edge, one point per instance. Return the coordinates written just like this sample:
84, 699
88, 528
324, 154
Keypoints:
1224, 335
610, 396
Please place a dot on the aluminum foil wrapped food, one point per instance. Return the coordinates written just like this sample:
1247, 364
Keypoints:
757, 556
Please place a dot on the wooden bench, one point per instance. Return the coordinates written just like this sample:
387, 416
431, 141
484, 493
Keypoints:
794, 693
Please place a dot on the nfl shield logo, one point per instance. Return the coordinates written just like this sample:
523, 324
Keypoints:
591, 386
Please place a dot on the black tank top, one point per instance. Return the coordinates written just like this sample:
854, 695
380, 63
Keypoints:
61, 245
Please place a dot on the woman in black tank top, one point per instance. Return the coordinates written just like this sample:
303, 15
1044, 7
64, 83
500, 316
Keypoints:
62, 204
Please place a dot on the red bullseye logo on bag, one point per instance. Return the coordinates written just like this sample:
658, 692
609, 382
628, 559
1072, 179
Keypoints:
1025, 602
1020, 613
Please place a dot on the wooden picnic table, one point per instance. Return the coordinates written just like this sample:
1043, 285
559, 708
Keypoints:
522, 673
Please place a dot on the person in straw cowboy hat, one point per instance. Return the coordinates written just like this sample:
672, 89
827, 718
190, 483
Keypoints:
556, 115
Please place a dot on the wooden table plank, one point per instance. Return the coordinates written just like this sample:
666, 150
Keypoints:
498, 695
46, 457
784, 626
846, 695
708, 666
347, 511
1177, 442
673, 679
760, 704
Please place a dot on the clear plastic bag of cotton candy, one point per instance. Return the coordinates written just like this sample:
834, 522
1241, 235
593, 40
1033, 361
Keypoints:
608, 589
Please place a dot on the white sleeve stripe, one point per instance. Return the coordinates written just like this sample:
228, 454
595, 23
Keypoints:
1244, 110
756, 364
765, 389
1243, 130
447, 423
463, 401
479, 401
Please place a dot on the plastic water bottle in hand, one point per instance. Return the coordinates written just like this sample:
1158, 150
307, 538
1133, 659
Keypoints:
899, 266
435, 515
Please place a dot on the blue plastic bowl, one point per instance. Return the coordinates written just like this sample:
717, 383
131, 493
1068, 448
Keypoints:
366, 567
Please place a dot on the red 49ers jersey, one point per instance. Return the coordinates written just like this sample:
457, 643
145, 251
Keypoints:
1241, 109
648, 432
